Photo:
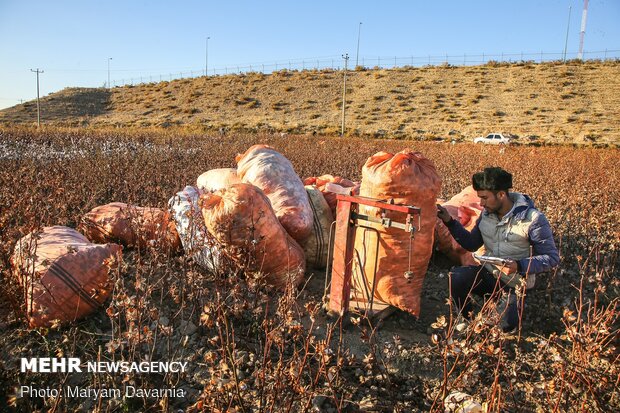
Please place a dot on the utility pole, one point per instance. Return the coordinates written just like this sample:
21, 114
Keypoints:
109, 58
38, 105
357, 55
344, 91
582, 34
207, 58
567, 27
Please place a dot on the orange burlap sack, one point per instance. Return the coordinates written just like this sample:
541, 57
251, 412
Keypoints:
320, 182
216, 179
464, 206
269, 170
64, 276
409, 179
468, 197
131, 226
242, 220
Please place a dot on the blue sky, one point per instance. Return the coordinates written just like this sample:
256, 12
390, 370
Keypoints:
72, 40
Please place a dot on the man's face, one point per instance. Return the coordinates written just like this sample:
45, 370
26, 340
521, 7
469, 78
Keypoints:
490, 201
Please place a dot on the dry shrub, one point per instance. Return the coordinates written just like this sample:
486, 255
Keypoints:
251, 349
574, 370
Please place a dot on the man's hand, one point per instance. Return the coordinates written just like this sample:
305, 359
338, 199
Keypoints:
509, 268
443, 214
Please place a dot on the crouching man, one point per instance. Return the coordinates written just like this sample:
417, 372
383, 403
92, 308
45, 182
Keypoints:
509, 228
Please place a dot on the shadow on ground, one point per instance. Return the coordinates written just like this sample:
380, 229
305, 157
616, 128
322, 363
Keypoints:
69, 106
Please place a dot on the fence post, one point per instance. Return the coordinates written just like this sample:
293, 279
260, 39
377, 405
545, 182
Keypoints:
379, 62
541, 56
605, 54
263, 68
464, 59
482, 57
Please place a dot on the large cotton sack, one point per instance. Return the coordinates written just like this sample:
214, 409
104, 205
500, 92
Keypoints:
242, 220
216, 179
190, 224
64, 276
316, 246
468, 197
409, 179
131, 226
465, 207
269, 170
330, 186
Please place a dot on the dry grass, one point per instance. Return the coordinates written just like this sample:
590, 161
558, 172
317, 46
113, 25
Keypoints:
251, 349
549, 102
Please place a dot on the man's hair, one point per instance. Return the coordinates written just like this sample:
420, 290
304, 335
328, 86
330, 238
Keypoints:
492, 179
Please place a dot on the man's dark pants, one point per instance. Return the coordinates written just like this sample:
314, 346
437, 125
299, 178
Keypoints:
477, 280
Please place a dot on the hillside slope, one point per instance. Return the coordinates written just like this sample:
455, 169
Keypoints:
565, 103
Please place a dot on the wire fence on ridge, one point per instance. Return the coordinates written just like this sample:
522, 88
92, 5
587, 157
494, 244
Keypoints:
382, 62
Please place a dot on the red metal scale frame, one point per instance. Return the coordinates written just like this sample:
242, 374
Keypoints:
348, 220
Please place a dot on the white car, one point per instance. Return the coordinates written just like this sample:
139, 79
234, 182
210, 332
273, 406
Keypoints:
493, 139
